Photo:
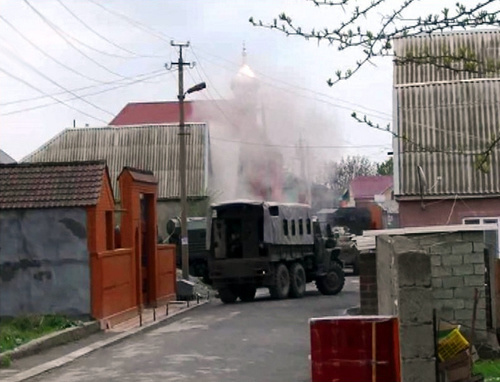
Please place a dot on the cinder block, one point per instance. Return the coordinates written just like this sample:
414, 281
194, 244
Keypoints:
481, 304
415, 305
466, 293
417, 341
478, 247
479, 269
435, 260
451, 304
463, 247
440, 248
464, 315
447, 315
453, 282
437, 282
477, 280
454, 259
441, 271
474, 258
465, 269
418, 370
414, 269
442, 293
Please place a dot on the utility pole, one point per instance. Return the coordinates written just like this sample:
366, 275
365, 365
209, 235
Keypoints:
182, 162
182, 154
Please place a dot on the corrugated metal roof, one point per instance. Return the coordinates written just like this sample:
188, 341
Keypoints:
49, 185
151, 147
167, 112
6, 158
484, 45
455, 121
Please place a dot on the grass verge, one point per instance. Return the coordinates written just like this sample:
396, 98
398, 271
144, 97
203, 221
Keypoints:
490, 369
20, 330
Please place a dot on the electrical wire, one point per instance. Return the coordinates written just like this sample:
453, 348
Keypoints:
48, 95
17, 58
163, 37
60, 63
135, 79
61, 35
102, 37
85, 95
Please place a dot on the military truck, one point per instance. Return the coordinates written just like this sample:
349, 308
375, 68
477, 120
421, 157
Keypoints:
256, 244
197, 244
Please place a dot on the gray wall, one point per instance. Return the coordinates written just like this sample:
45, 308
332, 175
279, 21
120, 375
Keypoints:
44, 262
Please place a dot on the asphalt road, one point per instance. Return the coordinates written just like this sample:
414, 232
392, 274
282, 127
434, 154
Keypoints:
262, 341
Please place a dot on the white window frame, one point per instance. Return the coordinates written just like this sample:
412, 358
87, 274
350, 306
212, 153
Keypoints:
487, 220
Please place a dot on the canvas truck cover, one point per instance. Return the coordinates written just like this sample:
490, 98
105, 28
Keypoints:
274, 215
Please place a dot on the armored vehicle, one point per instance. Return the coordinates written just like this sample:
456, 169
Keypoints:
256, 244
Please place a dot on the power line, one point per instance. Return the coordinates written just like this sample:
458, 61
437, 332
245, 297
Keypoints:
101, 36
17, 58
136, 78
85, 95
48, 95
60, 34
67, 67
295, 146
160, 35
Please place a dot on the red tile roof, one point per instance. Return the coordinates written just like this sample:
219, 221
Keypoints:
49, 185
151, 113
366, 187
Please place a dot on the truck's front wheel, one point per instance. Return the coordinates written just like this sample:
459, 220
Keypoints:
227, 295
333, 282
281, 285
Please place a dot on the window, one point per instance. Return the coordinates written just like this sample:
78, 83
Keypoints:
308, 226
285, 227
274, 211
472, 221
488, 220
301, 227
293, 227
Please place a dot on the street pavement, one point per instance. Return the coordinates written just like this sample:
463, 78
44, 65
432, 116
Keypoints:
265, 341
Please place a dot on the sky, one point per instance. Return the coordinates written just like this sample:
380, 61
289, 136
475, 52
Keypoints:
80, 62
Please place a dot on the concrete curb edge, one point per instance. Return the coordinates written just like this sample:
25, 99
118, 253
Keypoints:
64, 360
53, 339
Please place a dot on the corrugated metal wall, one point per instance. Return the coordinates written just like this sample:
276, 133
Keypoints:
446, 126
484, 45
154, 148
446, 118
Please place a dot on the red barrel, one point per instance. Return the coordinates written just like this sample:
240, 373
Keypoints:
355, 349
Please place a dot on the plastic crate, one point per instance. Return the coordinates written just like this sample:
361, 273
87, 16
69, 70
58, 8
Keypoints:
451, 345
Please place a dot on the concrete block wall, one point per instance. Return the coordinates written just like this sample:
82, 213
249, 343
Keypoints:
405, 289
368, 284
457, 269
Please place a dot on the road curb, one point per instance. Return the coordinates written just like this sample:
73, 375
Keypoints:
64, 360
51, 340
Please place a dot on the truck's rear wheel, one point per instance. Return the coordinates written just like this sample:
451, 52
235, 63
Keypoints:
247, 292
297, 280
227, 295
281, 285
333, 282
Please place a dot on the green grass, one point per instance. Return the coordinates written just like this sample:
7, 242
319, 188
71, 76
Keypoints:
490, 369
19, 330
